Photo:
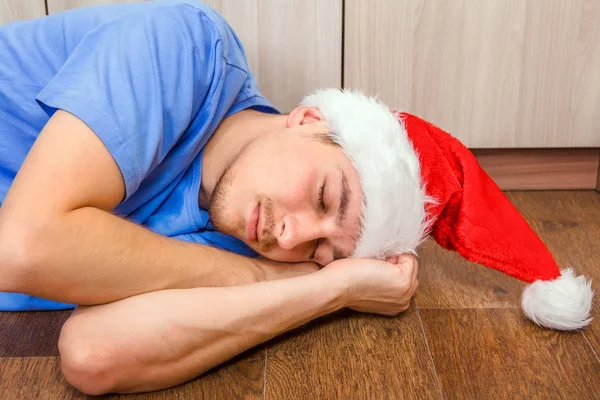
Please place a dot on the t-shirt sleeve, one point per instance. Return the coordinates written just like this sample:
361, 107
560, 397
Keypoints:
137, 82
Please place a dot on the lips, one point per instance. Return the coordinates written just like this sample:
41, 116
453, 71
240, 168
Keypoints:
252, 227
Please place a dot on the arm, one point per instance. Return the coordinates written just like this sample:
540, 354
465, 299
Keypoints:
58, 239
173, 336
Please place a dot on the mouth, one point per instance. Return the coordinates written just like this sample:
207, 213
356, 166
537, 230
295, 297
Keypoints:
252, 226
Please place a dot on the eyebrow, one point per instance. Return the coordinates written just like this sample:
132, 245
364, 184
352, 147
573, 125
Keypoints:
342, 209
344, 198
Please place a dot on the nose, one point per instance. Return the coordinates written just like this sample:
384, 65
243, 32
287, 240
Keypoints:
294, 230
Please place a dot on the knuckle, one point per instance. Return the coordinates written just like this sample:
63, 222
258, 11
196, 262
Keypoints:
405, 257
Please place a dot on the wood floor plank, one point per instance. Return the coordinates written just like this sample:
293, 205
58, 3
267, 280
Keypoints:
352, 356
567, 221
446, 280
496, 353
33, 378
41, 378
240, 378
30, 334
569, 224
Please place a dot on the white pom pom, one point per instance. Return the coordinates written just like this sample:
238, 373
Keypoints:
563, 304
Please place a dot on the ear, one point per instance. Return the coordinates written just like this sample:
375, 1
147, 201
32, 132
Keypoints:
303, 116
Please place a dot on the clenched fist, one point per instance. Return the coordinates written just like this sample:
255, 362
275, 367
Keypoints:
375, 286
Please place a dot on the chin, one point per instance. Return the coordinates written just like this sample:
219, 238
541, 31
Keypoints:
218, 216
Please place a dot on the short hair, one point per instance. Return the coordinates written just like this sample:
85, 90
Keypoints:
327, 138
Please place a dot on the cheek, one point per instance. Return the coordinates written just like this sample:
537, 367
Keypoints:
286, 170
285, 179
294, 188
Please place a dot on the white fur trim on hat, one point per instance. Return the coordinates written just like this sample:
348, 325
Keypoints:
562, 304
394, 198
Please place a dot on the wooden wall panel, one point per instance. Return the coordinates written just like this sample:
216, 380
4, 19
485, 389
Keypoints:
541, 169
13, 10
293, 46
510, 74
55, 6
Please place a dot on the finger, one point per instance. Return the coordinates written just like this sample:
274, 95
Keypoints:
411, 268
415, 270
406, 257
414, 288
407, 264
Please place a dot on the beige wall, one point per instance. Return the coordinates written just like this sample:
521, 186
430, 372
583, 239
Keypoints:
510, 73
14, 10
293, 46
55, 6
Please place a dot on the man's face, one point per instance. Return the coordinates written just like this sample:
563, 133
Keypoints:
291, 196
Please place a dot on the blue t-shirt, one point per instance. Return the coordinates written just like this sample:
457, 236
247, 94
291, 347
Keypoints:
153, 80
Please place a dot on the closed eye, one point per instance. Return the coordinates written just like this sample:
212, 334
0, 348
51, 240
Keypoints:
322, 205
322, 197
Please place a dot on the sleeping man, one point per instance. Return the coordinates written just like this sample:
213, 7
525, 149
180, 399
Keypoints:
147, 183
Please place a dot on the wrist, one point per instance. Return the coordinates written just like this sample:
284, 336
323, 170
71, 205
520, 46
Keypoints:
233, 270
257, 269
340, 283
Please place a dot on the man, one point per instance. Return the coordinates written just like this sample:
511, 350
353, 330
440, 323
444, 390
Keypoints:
141, 172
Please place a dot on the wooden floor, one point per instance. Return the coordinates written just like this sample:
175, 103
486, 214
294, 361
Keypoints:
463, 338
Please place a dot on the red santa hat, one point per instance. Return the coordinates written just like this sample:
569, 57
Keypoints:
419, 181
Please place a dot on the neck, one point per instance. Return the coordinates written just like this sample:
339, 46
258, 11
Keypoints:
231, 136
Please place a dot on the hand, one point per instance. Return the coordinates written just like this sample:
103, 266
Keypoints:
376, 286
271, 270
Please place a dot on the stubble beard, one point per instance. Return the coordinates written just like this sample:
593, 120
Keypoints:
268, 240
218, 214
216, 208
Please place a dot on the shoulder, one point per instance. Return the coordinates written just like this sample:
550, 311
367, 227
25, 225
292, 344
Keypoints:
197, 24
175, 22
196, 15
183, 23
191, 16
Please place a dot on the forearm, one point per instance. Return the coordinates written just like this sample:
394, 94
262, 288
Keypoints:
173, 336
89, 256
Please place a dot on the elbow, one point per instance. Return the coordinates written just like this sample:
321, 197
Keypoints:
85, 371
87, 364
82, 368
